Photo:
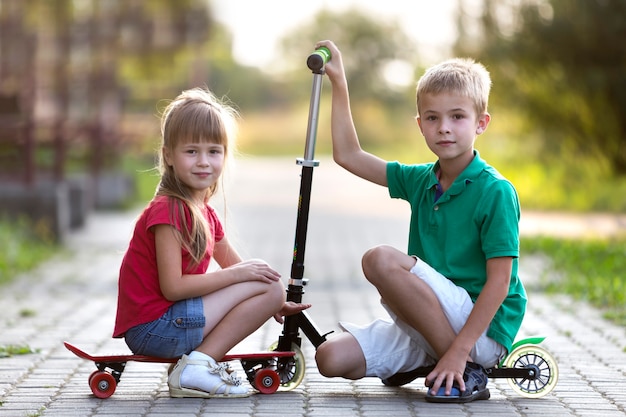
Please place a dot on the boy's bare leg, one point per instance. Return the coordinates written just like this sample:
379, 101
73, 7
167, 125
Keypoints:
410, 298
341, 356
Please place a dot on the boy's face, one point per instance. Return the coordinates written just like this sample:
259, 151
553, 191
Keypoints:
450, 125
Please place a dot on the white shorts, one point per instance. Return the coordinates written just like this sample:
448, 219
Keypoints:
391, 346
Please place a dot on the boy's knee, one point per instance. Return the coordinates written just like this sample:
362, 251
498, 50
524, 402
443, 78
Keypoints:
384, 263
377, 262
341, 356
376, 256
325, 357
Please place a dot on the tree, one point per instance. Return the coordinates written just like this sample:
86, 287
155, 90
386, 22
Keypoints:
369, 45
562, 64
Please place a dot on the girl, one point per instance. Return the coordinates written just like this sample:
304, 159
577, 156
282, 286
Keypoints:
168, 304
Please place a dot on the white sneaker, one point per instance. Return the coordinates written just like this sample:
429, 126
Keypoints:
218, 381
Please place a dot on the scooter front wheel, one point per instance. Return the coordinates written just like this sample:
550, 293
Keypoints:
541, 362
102, 384
266, 381
290, 369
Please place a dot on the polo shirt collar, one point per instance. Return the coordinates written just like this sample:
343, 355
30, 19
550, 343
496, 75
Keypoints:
469, 174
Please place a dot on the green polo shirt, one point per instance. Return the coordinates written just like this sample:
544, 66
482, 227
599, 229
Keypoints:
476, 219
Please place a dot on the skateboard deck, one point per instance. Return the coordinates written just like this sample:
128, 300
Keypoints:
257, 365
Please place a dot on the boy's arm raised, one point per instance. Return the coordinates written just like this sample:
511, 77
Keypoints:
347, 151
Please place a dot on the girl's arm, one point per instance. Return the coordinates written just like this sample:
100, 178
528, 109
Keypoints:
225, 254
178, 286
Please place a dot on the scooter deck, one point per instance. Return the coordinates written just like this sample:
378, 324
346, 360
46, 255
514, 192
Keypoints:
142, 358
403, 378
260, 368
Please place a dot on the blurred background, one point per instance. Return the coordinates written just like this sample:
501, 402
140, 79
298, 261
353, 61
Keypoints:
82, 83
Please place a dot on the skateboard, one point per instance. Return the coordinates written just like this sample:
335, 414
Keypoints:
530, 370
265, 371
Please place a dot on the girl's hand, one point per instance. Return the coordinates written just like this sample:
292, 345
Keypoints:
289, 308
255, 270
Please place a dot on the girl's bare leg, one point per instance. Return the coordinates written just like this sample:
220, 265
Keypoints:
237, 311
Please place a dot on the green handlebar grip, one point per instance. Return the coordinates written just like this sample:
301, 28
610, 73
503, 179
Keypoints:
318, 59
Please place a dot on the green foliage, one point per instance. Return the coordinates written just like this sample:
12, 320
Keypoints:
27, 312
12, 350
142, 168
561, 64
24, 246
568, 184
590, 270
370, 44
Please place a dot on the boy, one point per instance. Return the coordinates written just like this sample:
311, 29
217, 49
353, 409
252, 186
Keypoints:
455, 299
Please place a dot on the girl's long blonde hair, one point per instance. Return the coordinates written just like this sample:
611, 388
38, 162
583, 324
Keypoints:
194, 116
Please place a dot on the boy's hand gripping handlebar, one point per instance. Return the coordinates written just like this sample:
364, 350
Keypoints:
315, 62
318, 59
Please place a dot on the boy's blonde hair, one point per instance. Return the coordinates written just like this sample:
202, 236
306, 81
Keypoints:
194, 116
462, 76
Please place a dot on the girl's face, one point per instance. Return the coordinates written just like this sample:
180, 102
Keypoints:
450, 125
197, 165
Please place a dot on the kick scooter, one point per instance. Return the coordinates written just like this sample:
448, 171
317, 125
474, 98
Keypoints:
531, 370
290, 340
283, 365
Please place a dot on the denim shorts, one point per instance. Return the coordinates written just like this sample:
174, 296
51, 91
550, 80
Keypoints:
177, 332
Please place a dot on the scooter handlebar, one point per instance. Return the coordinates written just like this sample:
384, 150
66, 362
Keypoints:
318, 58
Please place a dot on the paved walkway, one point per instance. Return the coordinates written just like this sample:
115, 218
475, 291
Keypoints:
72, 297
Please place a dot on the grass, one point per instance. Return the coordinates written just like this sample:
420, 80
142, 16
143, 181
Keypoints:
12, 350
24, 246
588, 270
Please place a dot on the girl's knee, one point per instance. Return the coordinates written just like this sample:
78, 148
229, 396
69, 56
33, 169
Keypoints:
276, 293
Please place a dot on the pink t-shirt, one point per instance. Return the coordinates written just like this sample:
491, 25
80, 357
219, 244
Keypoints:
140, 299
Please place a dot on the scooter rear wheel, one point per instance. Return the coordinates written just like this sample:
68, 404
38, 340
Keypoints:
544, 365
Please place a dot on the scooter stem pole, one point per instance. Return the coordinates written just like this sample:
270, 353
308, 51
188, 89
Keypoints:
296, 283
314, 110
306, 180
